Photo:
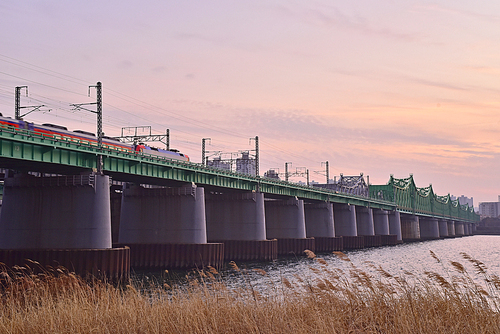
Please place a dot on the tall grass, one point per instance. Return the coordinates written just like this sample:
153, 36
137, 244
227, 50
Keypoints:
325, 300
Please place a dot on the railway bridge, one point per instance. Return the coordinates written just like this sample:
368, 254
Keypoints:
167, 213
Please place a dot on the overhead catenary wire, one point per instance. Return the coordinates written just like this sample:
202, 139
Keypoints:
114, 122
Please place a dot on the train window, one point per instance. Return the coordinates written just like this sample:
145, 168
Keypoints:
55, 126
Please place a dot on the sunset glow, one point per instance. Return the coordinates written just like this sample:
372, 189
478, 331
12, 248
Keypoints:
378, 87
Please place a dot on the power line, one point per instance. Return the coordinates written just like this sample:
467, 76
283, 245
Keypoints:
115, 122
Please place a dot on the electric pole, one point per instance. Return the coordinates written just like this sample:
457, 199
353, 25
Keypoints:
203, 162
17, 114
327, 172
256, 154
286, 170
18, 100
98, 111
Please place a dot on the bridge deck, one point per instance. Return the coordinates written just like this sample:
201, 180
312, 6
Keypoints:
28, 151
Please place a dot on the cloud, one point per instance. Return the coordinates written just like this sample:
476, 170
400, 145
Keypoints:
158, 69
333, 17
298, 125
492, 18
125, 64
431, 83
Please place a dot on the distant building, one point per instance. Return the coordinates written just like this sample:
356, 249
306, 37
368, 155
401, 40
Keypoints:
489, 209
464, 200
217, 162
272, 174
245, 165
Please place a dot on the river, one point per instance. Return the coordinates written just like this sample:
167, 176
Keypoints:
415, 258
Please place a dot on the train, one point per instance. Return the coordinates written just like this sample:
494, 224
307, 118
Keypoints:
87, 138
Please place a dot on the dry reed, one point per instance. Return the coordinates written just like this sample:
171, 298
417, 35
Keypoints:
327, 300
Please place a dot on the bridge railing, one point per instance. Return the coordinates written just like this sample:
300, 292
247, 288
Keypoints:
130, 158
411, 199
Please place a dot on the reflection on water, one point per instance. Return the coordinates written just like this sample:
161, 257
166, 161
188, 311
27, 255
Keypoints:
410, 257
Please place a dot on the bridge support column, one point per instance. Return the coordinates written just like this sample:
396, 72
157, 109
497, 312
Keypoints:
381, 222
395, 225
346, 226
466, 229
285, 221
429, 228
364, 219
459, 228
451, 228
366, 228
55, 212
166, 228
238, 221
443, 228
410, 227
50, 214
320, 225
382, 228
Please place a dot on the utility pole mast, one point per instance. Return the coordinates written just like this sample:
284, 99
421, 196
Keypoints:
18, 104
256, 154
18, 100
327, 172
98, 111
286, 170
203, 162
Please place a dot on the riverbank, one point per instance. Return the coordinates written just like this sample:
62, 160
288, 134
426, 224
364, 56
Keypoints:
325, 300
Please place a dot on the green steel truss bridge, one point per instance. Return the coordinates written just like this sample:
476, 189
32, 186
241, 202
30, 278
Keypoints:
422, 201
25, 150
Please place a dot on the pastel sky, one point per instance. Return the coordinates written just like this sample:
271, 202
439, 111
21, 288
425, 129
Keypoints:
379, 87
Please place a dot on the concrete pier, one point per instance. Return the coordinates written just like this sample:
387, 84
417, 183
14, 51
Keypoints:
429, 228
70, 212
395, 225
364, 220
443, 228
459, 228
346, 226
410, 227
238, 221
381, 222
166, 228
319, 220
236, 216
451, 228
162, 215
61, 221
320, 225
345, 220
285, 221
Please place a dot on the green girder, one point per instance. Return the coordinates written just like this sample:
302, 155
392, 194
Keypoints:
422, 201
25, 150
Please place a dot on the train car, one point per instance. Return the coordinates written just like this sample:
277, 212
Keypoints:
87, 138
172, 154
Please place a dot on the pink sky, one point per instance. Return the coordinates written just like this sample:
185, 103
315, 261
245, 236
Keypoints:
379, 87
